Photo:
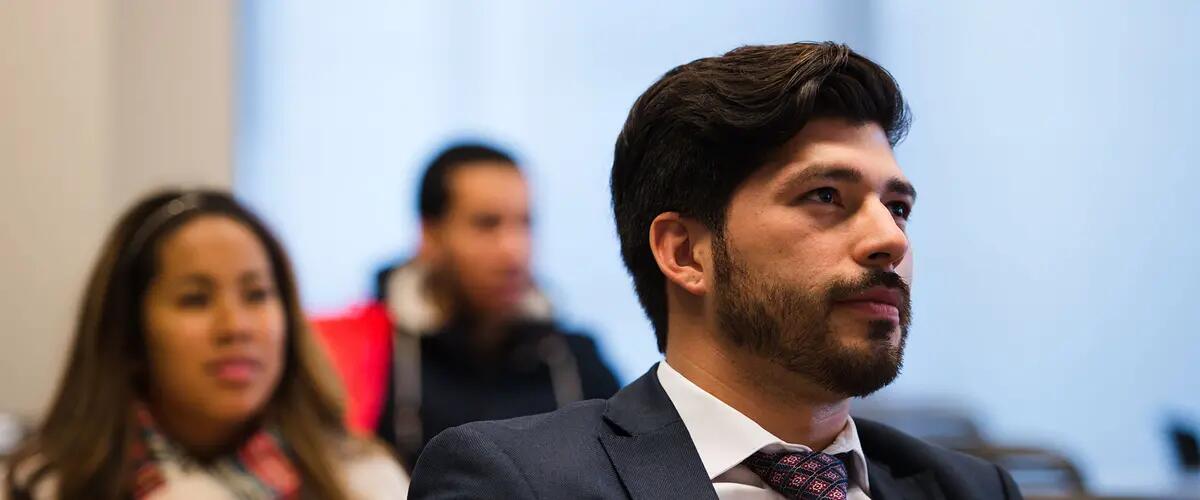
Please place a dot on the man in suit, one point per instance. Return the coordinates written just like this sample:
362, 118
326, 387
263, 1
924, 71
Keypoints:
763, 218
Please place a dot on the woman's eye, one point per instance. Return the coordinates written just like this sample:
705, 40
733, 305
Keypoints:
193, 300
259, 295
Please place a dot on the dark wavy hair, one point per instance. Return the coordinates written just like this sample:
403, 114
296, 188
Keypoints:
703, 128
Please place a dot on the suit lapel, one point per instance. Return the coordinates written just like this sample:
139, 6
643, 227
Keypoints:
884, 486
654, 465
892, 470
650, 447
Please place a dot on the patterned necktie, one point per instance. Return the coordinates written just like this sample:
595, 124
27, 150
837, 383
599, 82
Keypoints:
802, 475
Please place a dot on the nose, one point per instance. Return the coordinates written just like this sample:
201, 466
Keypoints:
515, 245
232, 322
883, 244
905, 268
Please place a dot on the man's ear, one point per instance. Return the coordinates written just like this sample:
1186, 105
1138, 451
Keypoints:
431, 242
683, 249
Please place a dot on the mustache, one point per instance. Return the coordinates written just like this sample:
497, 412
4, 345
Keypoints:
842, 290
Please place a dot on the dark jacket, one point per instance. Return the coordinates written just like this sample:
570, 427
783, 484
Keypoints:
635, 446
457, 389
435, 382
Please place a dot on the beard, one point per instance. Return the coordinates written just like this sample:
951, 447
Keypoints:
791, 326
465, 302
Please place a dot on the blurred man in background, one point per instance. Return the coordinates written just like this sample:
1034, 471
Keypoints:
471, 337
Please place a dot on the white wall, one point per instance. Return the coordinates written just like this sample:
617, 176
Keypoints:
174, 65
99, 101
55, 142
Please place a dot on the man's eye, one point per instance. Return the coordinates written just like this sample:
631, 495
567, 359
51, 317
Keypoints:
823, 195
900, 209
486, 222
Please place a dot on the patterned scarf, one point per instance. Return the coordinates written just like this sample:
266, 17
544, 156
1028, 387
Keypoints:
260, 468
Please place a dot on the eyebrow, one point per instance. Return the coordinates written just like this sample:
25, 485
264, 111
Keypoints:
195, 279
901, 186
204, 280
840, 173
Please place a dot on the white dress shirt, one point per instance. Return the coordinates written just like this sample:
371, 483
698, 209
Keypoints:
724, 437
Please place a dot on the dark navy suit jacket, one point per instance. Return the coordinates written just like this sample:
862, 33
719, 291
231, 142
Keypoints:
635, 446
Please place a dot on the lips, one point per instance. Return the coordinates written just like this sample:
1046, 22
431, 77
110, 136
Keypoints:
882, 302
234, 370
880, 294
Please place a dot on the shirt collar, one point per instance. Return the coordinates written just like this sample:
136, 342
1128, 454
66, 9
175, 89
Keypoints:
724, 437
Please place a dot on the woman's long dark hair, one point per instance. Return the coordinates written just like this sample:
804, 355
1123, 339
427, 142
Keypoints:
83, 442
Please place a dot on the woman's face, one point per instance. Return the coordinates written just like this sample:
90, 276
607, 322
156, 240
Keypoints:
215, 324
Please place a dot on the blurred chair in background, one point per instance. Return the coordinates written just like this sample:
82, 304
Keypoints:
459, 332
1185, 440
1041, 473
1038, 471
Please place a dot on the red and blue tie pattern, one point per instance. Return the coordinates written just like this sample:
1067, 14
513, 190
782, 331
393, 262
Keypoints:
802, 475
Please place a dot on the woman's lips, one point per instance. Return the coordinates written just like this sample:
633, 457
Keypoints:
235, 371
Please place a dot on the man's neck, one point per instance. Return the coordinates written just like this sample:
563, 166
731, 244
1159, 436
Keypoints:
487, 332
489, 336
780, 401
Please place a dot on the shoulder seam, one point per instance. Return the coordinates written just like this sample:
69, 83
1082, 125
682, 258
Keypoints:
491, 444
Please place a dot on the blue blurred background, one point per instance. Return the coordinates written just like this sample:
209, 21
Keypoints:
1054, 145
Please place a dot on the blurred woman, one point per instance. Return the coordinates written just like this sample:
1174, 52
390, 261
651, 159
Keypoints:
193, 374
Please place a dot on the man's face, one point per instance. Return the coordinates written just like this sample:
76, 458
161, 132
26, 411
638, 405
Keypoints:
482, 244
806, 270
